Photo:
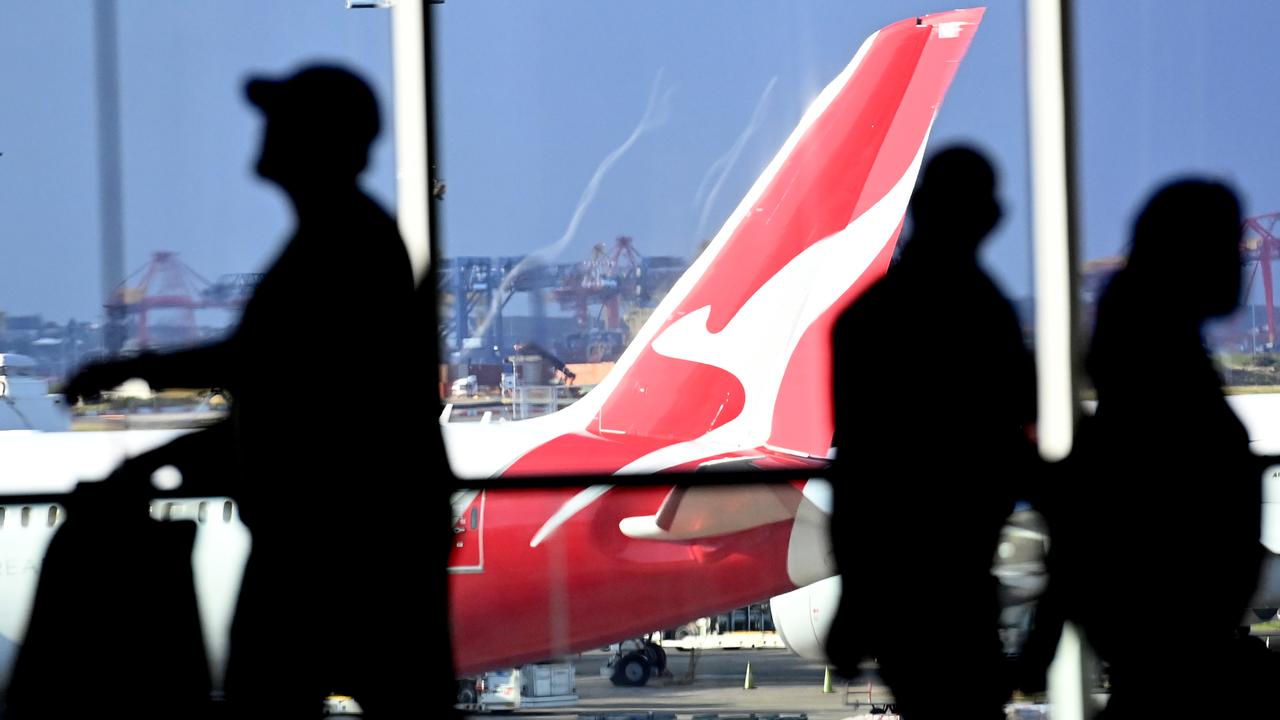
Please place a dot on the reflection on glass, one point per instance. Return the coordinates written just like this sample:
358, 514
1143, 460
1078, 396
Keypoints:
157, 94
596, 238
659, 205
616, 139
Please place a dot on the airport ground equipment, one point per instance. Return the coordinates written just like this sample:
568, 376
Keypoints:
25, 400
528, 686
342, 706
878, 701
741, 640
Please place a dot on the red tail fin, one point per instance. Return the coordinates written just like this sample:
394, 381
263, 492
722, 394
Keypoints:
737, 353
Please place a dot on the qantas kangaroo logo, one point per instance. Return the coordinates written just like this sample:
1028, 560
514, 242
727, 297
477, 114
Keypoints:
762, 336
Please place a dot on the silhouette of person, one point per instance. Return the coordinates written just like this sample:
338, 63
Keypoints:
934, 400
324, 455
1158, 535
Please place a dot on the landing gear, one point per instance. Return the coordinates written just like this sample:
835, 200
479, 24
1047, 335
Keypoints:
635, 661
631, 670
657, 657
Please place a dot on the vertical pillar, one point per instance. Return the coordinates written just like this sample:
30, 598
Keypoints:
1057, 343
409, 71
110, 177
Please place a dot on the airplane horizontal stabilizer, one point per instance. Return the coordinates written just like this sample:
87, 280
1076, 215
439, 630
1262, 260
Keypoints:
701, 512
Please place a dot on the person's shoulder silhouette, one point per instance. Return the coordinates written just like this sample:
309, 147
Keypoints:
1186, 237
933, 387
935, 313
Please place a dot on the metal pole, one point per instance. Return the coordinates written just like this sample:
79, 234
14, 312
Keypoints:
110, 177
1053, 212
409, 71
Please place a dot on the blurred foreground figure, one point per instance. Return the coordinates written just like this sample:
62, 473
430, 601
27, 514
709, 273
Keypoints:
329, 456
934, 400
1157, 534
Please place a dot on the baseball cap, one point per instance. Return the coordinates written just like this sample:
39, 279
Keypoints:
327, 98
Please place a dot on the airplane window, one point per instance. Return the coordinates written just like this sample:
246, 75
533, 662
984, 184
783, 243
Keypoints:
3, 513
202, 511
53, 515
26, 516
227, 511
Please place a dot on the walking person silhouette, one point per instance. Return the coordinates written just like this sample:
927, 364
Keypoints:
324, 450
934, 402
1159, 526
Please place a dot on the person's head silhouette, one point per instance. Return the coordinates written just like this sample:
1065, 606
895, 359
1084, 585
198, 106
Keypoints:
1186, 240
954, 207
320, 123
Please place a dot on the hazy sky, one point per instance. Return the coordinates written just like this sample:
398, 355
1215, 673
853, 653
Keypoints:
189, 136
533, 95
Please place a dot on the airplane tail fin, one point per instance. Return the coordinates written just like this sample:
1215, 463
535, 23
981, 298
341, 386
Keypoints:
738, 351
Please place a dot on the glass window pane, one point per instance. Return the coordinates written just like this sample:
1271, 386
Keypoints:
602, 139
594, 153
168, 144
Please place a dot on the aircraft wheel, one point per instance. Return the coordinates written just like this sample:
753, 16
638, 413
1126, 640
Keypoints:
657, 656
631, 670
466, 692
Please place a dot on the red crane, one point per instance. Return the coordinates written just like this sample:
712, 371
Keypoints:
1260, 249
603, 279
164, 283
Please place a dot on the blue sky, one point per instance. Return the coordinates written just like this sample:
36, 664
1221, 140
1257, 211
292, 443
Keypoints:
189, 137
534, 94
549, 89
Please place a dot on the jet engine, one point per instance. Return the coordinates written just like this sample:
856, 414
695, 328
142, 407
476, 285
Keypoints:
803, 616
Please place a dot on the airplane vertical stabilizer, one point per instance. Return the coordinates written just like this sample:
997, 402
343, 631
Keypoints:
737, 354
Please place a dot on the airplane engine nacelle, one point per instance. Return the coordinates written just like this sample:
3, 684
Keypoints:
803, 617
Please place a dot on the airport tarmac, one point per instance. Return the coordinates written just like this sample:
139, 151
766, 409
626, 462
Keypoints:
785, 684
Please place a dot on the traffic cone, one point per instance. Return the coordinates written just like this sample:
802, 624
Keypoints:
749, 682
826, 681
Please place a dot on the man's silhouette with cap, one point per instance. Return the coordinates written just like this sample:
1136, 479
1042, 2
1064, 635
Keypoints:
316, 447
934, 399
